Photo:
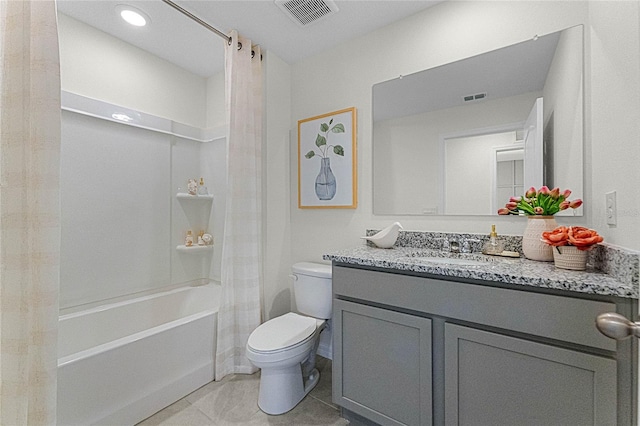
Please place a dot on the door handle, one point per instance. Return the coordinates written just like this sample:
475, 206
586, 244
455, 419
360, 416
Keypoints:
616, 326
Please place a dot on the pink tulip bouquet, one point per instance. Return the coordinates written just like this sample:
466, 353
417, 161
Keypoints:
543, 202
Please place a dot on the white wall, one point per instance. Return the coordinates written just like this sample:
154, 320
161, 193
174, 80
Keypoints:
216, 114
343, 77
614, 106
276, 187
100, 66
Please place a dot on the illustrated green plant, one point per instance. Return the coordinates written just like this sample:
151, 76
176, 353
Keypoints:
321, 141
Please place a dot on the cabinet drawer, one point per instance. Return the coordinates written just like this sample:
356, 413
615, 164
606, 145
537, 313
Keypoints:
562, 318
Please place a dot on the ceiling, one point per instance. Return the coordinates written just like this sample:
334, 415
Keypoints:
178, 39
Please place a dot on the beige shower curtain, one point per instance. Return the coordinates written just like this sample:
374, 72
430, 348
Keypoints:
29, 211
241, 268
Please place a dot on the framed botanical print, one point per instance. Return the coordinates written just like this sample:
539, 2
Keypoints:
327, 161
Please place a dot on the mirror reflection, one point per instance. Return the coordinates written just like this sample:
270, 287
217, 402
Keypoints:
460, 139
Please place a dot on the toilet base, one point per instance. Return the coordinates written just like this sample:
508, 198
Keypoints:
312, 381
282, 389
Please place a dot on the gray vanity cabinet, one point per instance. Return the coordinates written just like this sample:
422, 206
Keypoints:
492, 379
414, 349
385, 364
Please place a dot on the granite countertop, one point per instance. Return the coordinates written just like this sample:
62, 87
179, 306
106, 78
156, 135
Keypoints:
517, 271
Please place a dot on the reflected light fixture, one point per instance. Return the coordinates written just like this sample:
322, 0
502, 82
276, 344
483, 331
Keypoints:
121, 116
132, 15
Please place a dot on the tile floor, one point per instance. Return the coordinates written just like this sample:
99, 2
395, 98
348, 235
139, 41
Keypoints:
234, 401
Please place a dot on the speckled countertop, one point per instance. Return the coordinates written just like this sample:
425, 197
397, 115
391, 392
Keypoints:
518, 271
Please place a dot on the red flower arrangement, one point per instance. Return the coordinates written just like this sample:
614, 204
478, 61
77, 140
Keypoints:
580, 237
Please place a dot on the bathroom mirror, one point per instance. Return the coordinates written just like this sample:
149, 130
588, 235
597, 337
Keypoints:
461, 138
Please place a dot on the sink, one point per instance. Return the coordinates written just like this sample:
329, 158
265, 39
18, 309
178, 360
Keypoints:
450, 261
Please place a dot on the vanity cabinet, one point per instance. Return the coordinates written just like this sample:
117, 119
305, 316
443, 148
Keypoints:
493, 379
416, 349
386, 363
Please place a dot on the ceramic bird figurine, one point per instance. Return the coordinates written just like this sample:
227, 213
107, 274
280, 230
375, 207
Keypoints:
387, 237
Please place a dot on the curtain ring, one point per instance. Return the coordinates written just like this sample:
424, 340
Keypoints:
229, 43
253, 54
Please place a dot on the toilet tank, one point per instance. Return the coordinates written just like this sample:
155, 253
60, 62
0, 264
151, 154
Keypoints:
312, 289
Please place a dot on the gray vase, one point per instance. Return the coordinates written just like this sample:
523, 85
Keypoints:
326, 181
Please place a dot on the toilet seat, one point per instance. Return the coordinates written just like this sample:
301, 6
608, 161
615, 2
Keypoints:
282, 333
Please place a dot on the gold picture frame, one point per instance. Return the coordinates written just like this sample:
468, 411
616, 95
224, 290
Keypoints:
327, 161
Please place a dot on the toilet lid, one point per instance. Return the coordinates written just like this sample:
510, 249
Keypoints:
281, 332
319, 270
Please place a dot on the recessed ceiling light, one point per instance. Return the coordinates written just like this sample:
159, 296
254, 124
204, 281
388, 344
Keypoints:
133, 15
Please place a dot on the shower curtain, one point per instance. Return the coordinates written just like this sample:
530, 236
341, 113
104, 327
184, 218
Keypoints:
29, 211
241, 271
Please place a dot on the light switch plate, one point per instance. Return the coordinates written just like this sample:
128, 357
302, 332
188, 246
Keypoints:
611, 208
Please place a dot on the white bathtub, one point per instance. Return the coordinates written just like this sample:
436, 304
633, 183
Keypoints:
119, 363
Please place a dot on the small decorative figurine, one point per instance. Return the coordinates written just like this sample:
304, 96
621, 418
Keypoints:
387, 237
192, 187
207, 238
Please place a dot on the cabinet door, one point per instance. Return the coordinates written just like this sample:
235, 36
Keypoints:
492, 379
382, 364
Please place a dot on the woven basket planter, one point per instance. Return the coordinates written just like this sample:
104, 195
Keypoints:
569, 257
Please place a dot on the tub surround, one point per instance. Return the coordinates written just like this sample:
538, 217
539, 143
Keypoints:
611, 271
161, 155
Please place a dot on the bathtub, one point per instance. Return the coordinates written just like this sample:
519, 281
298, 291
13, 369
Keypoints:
121, 362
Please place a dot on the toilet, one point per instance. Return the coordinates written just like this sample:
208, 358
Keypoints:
285, 347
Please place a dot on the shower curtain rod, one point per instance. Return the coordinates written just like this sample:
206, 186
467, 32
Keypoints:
200, 21
207, 26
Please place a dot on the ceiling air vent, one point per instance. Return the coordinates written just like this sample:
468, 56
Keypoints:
305, 12
475, 97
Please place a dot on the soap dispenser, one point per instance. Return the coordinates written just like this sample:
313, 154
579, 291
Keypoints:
202, 190
494, 246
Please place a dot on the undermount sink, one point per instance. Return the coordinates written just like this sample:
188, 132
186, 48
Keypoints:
450, 260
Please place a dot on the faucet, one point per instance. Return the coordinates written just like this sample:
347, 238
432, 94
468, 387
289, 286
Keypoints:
466, 245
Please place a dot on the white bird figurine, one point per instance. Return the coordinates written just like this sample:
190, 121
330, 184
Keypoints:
387, 237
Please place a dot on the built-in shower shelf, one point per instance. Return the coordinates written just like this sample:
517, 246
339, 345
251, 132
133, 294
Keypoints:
186, 196
194, 249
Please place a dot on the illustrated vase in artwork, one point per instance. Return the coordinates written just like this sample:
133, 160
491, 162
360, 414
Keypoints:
326, 181
532, 246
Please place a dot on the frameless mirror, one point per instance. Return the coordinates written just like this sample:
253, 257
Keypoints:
461, 138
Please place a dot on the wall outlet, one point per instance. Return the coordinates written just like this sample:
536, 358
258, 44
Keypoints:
611, 208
